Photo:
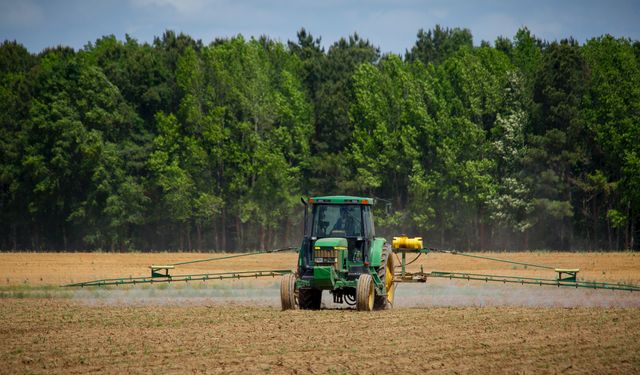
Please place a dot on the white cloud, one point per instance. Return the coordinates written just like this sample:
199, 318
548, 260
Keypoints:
187, 7
490, 26
550, 29
439, 13
20, 14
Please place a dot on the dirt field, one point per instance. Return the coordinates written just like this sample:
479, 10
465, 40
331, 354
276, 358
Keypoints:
236, 326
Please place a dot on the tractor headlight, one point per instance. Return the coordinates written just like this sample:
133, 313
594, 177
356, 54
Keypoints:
319, 260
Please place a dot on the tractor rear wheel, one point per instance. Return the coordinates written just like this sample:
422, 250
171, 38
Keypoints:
385, 273
365, 293
309, 298
288, 292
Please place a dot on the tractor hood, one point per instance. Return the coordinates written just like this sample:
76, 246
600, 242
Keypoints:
331, 242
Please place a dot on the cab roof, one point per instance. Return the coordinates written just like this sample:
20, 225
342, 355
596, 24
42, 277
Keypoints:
341, 199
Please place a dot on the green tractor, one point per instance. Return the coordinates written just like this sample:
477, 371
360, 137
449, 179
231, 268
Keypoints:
340, 253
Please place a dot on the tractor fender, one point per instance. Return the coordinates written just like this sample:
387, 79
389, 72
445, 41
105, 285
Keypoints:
375, 255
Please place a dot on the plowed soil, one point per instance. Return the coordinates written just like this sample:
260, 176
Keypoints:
236, 327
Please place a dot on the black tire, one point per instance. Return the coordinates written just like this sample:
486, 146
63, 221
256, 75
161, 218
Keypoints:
288, 292
309, 298
385, 301
365, 293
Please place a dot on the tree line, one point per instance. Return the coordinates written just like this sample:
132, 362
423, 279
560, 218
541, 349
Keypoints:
517, 144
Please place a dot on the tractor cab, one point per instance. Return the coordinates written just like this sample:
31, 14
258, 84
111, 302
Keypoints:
343, 219
341, 216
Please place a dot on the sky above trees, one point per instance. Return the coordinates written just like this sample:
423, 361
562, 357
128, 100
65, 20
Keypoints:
392, 24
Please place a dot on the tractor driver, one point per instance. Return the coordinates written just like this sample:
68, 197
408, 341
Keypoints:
345, 223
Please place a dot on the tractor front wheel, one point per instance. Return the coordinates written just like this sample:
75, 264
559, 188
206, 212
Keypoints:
288, 292
365, 293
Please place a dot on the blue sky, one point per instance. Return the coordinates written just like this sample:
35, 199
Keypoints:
390, 24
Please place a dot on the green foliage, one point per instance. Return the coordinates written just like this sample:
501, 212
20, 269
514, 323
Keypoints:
178, 145
328, 168
435, 46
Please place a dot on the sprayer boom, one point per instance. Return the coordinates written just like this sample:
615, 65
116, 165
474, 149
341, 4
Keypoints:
566, 277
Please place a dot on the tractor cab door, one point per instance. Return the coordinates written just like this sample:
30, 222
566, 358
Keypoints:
369, 230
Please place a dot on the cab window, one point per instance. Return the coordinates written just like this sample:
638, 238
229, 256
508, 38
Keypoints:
344, 220
369, 230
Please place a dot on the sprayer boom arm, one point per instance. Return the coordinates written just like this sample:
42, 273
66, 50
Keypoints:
566, 277
172, 278
161, 273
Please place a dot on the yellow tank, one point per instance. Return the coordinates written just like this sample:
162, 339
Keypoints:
404, 242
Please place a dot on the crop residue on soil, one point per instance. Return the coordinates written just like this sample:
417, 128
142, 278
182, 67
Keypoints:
236, 326
64, 336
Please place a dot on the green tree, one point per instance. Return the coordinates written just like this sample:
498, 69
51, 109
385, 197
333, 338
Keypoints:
387, 112
512, 204
612, 115
16, 86
333, 127
312, 56
435, 46
556, 157
267, 122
